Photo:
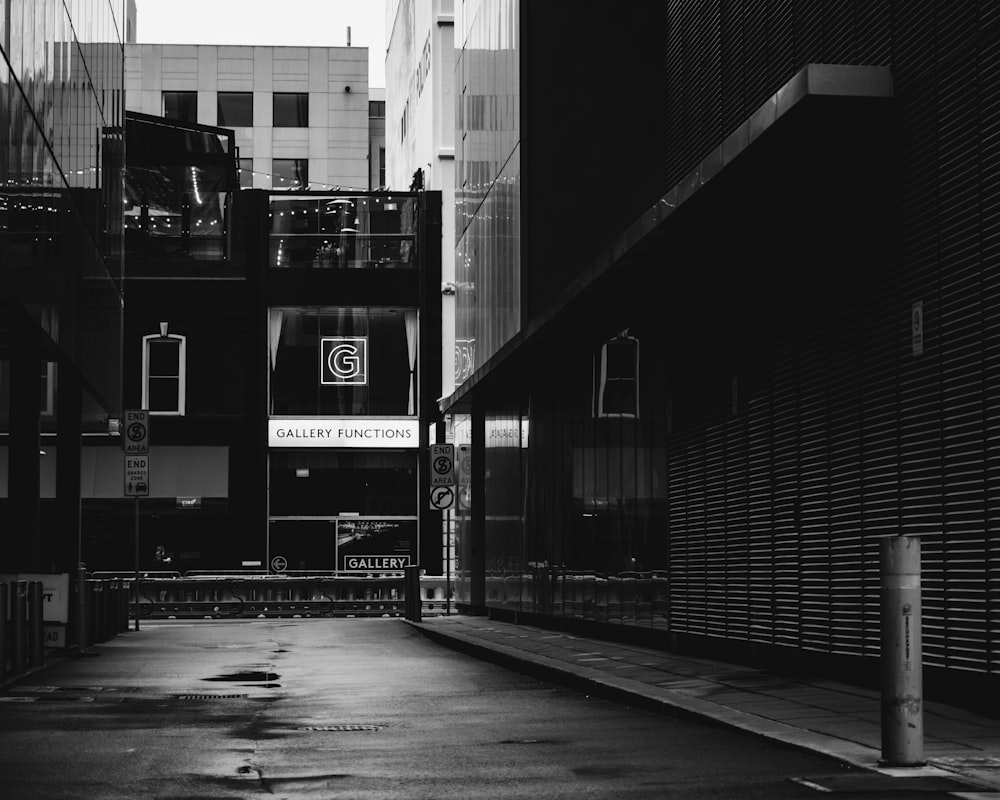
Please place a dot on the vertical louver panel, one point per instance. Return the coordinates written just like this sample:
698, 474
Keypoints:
737, 554
989, 220
760, 521
715, 530
785, 493
844, 493
847, 435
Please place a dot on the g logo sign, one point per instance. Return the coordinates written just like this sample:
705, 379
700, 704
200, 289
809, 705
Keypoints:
343, 360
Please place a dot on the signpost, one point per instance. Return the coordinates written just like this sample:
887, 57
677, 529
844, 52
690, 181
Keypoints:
135, 446
442, 499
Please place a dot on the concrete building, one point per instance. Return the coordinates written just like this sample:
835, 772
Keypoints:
730, 305
420, 128
300, 114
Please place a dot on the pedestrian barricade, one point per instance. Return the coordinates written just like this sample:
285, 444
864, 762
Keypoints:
244, 594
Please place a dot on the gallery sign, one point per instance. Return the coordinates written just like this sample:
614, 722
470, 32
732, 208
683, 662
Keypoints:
343, 360
344, 432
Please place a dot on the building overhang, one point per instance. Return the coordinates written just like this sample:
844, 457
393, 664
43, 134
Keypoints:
820, 103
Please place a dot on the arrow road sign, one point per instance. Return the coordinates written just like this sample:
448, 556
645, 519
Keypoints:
442, 498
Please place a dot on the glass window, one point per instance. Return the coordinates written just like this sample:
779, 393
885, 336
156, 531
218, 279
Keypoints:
246, 173
236, 109
376, 108
182, 106
382, 341
163, 373
291, 110
290, 173
618, 378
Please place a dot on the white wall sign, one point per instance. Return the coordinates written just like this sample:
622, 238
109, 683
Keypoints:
343, 432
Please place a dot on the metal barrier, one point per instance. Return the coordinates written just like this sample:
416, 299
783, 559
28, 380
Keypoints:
246, 594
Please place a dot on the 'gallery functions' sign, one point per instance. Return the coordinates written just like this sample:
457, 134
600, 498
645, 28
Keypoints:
343, 432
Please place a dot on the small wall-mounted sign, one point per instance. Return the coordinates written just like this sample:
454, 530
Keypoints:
189, 502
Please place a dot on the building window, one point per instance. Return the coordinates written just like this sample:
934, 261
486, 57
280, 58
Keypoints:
291, 110
163, 373
48, 388
181, 106
246, 173
381, 167
236, 109
617, 373
376, 108
290, 173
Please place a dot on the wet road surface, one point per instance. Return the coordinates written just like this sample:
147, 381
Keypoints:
365, 708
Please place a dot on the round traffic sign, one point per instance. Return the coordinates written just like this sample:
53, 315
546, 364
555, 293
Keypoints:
279, 563
442, 465
442, 497
136, 432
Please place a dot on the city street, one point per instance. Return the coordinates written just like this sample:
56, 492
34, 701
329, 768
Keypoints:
358, 708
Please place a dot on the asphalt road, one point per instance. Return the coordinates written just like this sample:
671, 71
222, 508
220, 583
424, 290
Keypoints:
355, 708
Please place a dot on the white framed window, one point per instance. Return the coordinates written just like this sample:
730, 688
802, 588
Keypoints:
163, 373
617, 373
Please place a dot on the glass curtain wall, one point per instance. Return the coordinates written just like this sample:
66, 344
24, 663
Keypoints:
576, 490
487, 168
62, 115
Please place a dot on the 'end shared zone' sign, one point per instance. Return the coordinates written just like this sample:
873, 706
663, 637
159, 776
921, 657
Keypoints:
376, 563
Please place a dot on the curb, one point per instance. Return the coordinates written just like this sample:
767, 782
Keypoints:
624, 690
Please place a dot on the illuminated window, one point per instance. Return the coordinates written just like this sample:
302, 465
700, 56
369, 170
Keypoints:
163, 373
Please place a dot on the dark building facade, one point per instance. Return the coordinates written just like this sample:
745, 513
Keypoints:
696, 418
61, 155
277, 340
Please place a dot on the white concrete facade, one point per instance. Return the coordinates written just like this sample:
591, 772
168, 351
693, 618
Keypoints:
420, 128
335, 79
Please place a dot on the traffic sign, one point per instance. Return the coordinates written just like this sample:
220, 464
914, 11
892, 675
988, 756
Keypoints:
137, 476
135, 430
442, 498
442, 465
464, 457
279, 564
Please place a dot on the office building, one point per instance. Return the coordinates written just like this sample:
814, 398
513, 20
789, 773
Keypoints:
730, 312
300, 114
62, 113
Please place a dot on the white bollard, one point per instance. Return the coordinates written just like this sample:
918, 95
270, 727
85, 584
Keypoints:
902, 654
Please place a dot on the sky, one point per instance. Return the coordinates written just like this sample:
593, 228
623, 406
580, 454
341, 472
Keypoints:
315, 23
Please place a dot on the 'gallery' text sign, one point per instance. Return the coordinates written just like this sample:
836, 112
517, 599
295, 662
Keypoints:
343, 432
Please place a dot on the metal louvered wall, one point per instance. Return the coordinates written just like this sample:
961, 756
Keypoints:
845, 435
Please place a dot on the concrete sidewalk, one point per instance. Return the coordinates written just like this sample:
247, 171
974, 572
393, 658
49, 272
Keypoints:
839, 720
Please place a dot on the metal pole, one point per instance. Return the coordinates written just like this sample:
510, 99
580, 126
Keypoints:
18, 624
447, 563
81, 607
36, 624
902, 654
136, 582
4, 589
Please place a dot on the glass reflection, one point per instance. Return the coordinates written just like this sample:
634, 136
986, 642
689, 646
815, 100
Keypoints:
343, 231
61, 105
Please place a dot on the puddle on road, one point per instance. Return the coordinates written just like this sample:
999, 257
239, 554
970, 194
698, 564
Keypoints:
250, 676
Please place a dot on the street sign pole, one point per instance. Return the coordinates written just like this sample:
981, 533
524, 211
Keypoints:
447, 563
136, 582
